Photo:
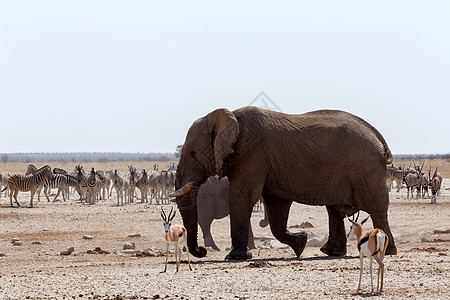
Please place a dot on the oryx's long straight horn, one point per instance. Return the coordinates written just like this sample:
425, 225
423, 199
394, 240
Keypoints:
183, 190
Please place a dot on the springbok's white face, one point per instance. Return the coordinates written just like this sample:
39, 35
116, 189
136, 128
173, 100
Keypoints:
351, 231
167, 226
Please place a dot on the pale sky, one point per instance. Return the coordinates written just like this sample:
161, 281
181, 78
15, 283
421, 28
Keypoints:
132, 76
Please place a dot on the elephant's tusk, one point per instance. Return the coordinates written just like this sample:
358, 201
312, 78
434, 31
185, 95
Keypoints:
183, 190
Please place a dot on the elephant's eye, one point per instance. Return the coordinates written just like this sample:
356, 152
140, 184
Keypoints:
193, 154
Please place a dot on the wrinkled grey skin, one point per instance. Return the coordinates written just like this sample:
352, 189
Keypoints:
212, 204
327, 157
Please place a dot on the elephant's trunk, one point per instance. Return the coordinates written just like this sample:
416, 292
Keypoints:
188, 209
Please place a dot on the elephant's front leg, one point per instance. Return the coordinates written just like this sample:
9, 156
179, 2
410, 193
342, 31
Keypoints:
240, 212
278, 213
337, 242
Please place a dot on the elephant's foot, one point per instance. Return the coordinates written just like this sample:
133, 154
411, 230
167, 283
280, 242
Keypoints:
334, 249
238, 254
391, 249
299, 242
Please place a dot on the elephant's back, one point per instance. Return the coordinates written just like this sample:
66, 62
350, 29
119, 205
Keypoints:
322, 129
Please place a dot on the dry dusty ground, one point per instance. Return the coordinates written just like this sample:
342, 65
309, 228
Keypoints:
421, 270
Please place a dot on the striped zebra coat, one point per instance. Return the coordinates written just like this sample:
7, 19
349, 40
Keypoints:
142, 185
93, 187
28, 183
119, 185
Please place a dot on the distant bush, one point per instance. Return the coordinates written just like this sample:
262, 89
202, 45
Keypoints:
86, 156
421, 156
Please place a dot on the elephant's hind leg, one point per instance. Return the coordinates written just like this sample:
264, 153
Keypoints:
380, 220
278, 213
337, 242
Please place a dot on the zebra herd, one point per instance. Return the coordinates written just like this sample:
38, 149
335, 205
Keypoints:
94, 185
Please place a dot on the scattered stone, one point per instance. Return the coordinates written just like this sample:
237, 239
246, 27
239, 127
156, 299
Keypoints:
36, 242
132, 251
15, 240
303, 225
87, 237
68, 251
259, 264
2, 254
98, 250
130, 245
441, 231
424, 240
272, 244
134, 235
152, 253
17, 243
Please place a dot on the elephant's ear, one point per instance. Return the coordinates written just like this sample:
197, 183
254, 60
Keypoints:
224, 126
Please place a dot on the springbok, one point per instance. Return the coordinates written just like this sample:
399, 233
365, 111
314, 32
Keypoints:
174, 233
372, 244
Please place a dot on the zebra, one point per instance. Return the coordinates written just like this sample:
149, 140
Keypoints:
31, 169
142, 185
55, 183
92, 186
119, 186
25, 183
158, 185
59, 171
132, 179
104, 184
4, 182
68, 181
81, 178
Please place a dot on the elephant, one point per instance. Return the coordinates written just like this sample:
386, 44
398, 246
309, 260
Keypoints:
324, 157
212, 203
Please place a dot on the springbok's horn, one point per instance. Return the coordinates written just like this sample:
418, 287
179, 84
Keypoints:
170, 214
163, 214
183, 190
365, 220
435, 172
421, 168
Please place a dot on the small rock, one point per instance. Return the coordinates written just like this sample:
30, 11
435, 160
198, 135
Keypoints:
15, 240
424, 240
17, 243
2, 254
87, 237
134, 235
36, 242
441, 231
152, 253
129, 246
68, 251
132, 251
272, 244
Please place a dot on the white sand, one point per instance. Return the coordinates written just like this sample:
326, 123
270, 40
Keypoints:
38, 271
